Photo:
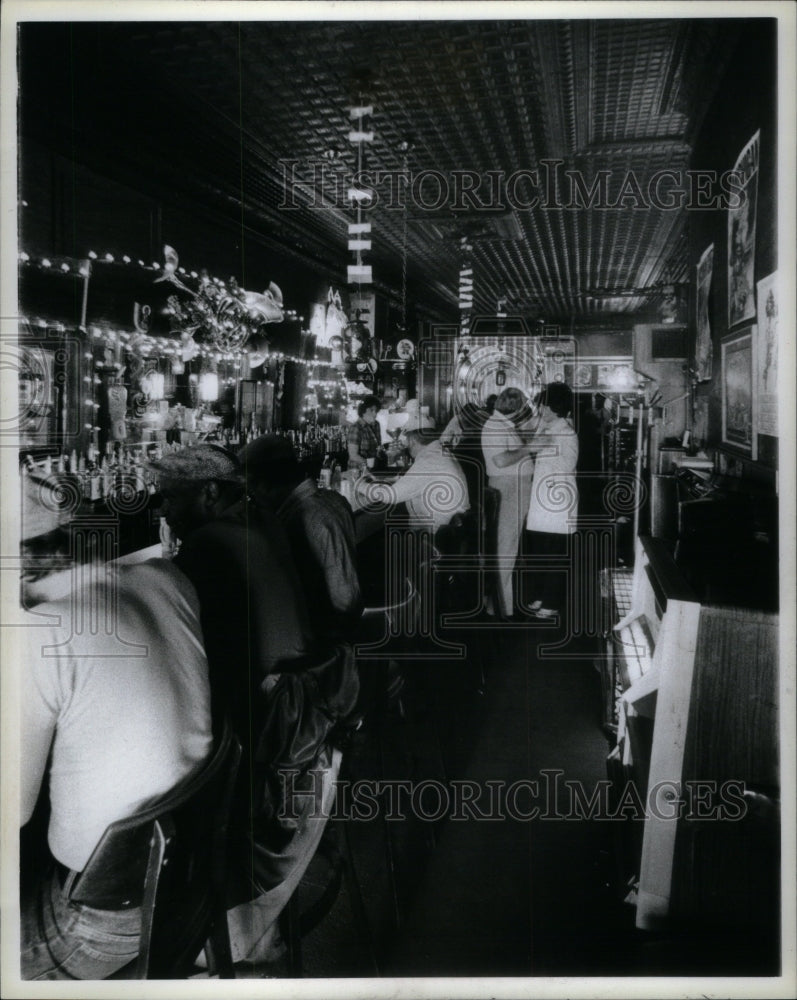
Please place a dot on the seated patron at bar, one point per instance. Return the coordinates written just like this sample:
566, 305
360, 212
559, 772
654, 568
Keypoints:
283, 693
110, 719
320, 531
365, 435
239, 560
434, 488
462, 438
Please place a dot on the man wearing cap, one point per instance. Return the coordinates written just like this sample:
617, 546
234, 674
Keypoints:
434, 488
110, 719
320, 531
253, 613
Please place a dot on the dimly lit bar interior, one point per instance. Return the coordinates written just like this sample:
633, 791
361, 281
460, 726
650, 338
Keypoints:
399, 490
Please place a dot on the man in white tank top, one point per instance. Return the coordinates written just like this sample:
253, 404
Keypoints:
115, 696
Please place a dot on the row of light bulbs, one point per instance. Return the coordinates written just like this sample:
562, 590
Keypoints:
68, 265
168, 346
208, 385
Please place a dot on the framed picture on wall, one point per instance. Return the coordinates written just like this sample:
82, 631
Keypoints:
766, 397
738, 387
741, 237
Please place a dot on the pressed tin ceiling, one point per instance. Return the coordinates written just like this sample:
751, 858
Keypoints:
224, 112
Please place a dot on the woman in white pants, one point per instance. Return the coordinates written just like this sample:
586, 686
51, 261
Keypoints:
509, 469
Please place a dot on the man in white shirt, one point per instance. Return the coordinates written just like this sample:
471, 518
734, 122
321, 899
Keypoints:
115, 695
434, 488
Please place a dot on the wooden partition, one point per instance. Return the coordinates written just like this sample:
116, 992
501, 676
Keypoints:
697, 738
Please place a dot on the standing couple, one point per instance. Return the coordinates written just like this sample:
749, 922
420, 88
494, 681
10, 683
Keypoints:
530, 455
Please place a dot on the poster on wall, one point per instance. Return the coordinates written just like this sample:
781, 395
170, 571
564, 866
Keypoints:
700, 421
741, 236
738, 382
704, 351
766, 397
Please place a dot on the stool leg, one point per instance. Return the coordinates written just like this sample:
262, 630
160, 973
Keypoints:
217, 950
390, 857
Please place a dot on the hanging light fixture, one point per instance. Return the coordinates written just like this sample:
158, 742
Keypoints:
404, 147
500, 375
360, 197
465, 286
464, 362
153, 385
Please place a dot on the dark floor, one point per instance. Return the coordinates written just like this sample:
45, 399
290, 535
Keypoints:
501, 896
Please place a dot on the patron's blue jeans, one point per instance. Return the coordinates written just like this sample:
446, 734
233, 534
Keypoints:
63, 940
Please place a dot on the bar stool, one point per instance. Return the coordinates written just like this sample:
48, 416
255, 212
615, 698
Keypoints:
383, 632
171, 860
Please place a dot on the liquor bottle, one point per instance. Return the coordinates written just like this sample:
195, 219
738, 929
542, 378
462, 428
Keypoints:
325, 477
140, 478
94, 481
106, 476
336, 476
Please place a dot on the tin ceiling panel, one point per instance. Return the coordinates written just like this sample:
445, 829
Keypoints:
225, 111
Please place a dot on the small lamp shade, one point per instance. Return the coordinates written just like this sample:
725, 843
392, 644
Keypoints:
395, 421
153, 385
209, 387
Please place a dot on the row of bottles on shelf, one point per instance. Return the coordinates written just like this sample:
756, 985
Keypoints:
119, 471
313, 440
309, 441
122, 469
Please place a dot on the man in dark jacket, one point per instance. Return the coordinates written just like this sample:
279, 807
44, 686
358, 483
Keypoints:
254, 616
283, 692
320, 529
